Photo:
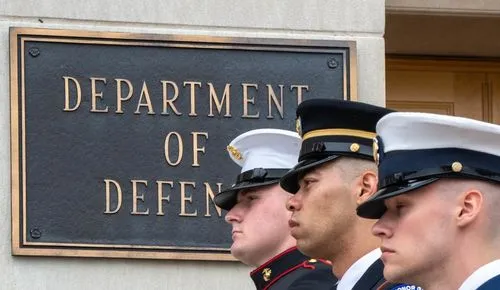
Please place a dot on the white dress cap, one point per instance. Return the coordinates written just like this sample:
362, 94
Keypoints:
265, 148
418, 131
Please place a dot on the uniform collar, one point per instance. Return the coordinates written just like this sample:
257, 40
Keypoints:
481, 275
356, 271
277, 267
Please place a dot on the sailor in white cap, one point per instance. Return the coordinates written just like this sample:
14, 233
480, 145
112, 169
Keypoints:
438, 201
256, 210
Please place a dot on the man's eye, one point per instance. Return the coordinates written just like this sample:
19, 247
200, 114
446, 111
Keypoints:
400, 207
252, 197
309, 181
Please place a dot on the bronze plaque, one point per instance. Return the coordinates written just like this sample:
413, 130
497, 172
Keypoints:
118, 140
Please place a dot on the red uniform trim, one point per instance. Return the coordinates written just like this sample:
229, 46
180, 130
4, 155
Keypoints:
281, 275
272, 260
304, 264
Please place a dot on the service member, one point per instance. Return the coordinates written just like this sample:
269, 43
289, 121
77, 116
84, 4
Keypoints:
259, 219
439, 201
335, 174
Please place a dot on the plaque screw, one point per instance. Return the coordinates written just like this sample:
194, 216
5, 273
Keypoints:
332, 63
34, 51
35, 233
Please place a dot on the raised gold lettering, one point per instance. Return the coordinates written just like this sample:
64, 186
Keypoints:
271, 97
108, 183
136, 197
119, 98
193, 96
197, 149
180, 148
67, 106
185, 198
169, 102
299, 91
145, 94
161, 198
247, 100
96, 95
226, 96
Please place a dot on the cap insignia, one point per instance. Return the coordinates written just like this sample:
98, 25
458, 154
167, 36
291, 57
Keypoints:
266, 274
234, 152
298, 126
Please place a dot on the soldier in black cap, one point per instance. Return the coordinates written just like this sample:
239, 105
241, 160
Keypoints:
334, 175
439, 200
259, 219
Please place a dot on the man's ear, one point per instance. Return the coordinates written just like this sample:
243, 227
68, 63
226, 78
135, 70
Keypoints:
470, 204
367, 186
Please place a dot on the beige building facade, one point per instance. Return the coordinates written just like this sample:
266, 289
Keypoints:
435, 56
443, 57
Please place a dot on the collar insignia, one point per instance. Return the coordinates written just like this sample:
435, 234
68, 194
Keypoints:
266, 274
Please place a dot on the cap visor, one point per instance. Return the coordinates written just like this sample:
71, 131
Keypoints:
226, 199
290, 181
375, 207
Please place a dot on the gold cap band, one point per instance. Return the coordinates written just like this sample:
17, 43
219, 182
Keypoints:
339, 132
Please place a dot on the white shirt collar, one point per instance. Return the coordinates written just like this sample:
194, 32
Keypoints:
354, 273
481, 275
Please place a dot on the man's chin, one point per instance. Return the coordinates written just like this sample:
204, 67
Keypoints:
306, 248
244, 255
235, 251
393, 275
238, 251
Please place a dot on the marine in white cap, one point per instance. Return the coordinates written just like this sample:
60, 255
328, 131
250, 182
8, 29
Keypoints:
259, 218
438, 201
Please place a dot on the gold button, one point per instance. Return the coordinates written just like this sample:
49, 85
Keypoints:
312, 260
456, 166
354, 147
